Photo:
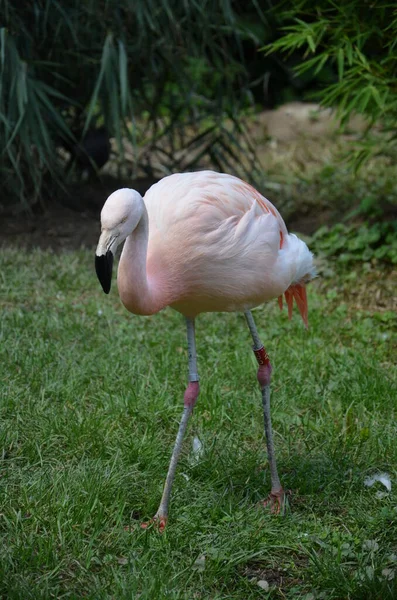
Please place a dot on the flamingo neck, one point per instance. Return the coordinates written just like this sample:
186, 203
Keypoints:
138, 291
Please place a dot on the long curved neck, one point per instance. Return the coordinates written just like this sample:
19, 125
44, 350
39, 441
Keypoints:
137, 291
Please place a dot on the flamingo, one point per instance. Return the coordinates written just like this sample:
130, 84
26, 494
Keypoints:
203, 242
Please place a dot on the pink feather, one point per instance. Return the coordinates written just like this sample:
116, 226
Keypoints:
206, 242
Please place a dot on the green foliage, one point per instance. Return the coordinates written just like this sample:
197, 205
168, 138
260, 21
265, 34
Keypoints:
65, 67
27, 106
357, 242
91, 397
358, 40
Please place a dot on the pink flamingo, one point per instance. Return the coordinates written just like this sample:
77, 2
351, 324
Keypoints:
202, 242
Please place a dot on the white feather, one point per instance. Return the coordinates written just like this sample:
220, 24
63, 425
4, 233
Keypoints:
298, 260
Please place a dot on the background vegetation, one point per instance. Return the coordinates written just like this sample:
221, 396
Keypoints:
145, 70
358, 41
172, 81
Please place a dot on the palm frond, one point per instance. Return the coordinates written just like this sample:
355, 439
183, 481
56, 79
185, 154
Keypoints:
66, 67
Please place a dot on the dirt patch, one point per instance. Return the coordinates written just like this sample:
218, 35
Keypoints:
295, 120
277, 577
69, 225
58, 229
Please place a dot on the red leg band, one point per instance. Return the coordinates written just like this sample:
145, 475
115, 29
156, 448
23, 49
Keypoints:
191, 393
262, 356
265, 368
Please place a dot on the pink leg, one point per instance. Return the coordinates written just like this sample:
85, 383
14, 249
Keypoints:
190, 398
276, 498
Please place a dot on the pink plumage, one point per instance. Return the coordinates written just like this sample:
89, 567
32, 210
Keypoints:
204, 242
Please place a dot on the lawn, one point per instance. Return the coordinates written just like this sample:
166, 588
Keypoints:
91, 397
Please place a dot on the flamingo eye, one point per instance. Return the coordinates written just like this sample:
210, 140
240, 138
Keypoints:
123, 220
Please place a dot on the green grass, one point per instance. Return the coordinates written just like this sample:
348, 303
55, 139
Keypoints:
91, 398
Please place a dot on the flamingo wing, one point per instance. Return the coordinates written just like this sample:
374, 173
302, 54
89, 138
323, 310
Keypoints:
217, 239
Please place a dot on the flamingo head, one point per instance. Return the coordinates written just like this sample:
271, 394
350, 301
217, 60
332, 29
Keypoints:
120, 216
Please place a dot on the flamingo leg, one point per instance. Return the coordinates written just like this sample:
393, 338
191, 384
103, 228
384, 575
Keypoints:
190, 398
276, 498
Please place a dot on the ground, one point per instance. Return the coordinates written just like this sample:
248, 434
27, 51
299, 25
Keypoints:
91, 398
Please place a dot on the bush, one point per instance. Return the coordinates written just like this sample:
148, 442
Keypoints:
358, 40
67, 67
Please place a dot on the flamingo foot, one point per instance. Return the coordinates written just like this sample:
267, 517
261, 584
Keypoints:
277, 502
159, 522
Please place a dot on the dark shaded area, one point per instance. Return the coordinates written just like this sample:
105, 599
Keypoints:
92, 153
167, 75
65, 225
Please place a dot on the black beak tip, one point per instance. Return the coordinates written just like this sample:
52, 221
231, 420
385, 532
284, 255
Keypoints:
103, 268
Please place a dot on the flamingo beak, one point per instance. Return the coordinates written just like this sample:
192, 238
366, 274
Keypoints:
103, 268
104, 260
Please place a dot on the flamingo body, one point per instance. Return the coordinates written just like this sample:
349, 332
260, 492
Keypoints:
205, 242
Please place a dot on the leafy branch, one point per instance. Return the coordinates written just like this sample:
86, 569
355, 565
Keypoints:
358, 41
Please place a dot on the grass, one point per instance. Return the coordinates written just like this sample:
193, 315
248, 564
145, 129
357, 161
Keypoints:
91, 398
